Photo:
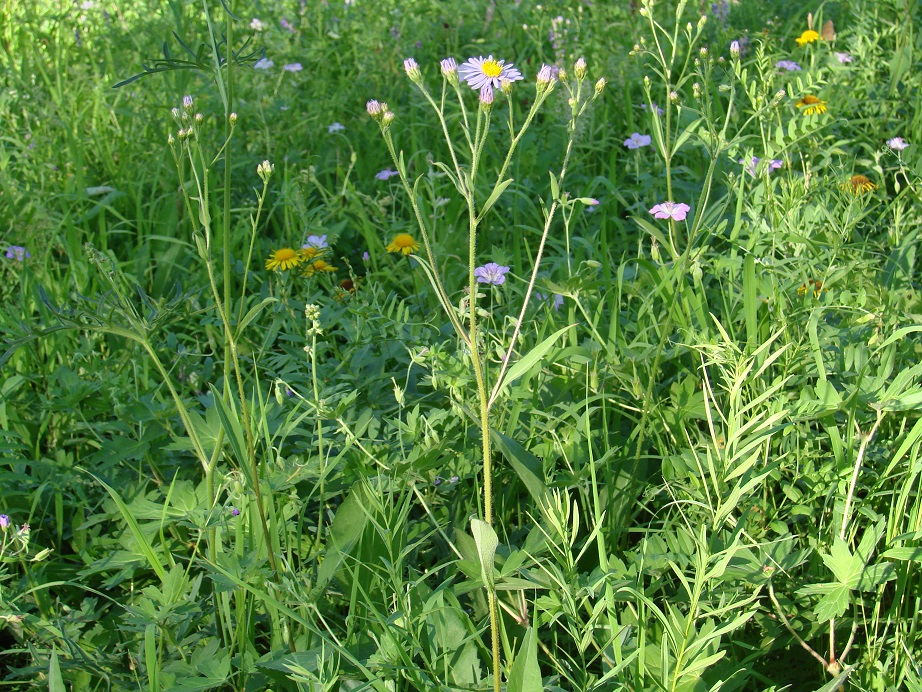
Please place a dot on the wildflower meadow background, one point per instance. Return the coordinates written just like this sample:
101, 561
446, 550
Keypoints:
413, 345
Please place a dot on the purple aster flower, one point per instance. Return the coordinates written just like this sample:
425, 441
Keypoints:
547, 74
788, 65
335, 127
18, 253
491, 273
896, 143
481, 72
449, 68
365, 256
263, 64
486, 95
385, 174
753, 166
637, 140
843, 57
412, 69
4, 521
659, 111
286, 25
670, 210
293, 67
318, 242
235, 512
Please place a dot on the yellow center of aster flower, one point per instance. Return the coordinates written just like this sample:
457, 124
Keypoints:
491, 68
808, 36
860, 184
403, 243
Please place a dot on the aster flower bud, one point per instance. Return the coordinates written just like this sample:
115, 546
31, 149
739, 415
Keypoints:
176, 114
232, 119
187, 103
505, 86
674, 96
449, 70
703, 52
735, 49
646, 81
545, 75
387, 118
579, 69
264, 170
412, 70
696, 90
562, 75
600, 86
199, 118
486, 97
170, 139
375, 109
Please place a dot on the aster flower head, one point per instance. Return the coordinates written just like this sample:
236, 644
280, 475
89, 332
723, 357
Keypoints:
480, 72
257, 24
556, 300
449, 69
843, 58
375, 108
809, 36
284, 259
897, 143
316, 241
293, 67
788, 65
655, 108
335, 127
385, 174
235, 512
18, 253
735, 49
546, 75
859, 184
365, 256
670, 210
263, 64
579, 69
411, 67
753, 166
491, 273
486, 96
812, 105
403, 243
319, 266
637, 140
4, 521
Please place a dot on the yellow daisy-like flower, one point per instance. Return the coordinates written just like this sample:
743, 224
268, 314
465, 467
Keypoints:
403, 243
319, 266
812, 285
859, 184
310, 252
811, 104
284, 259
809, 36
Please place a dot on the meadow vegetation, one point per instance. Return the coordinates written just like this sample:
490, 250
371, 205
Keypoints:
412, 345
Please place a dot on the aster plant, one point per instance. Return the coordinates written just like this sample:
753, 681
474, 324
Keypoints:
479, 86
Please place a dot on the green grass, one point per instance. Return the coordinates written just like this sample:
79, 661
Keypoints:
704, 474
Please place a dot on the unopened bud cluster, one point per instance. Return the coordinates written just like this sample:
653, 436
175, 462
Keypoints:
265, 170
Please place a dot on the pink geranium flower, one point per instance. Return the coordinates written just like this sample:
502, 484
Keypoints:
670, 210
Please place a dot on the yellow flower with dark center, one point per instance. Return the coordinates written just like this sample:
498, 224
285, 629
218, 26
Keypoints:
812, 285
319, 266
812, 105
859, 184
403, 243
284, 259
809, 36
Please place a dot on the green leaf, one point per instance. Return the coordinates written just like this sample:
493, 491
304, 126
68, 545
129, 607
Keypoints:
838, 681
55, 679
525, 675
232, 431
529, 360
251, 314
345, 531
524, 463
495, 195
555, 190
487, 542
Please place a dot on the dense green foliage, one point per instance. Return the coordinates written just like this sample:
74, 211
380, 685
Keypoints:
706, 468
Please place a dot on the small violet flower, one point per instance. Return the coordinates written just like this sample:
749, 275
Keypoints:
4, 521
293, 67
843, 57
659, 111
788, 65
257, 24
18, 253
263, 64
365, 256
670, 210
556, 299
753, 166
318, 242
491, 273
637, 140
235, 512
335, 127
896, 143
385, 174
